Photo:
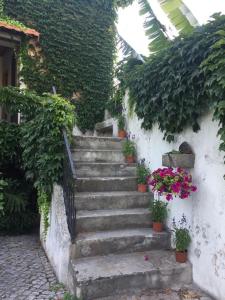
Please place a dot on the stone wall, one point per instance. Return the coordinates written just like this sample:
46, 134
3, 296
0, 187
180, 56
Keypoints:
57, 243
205, 211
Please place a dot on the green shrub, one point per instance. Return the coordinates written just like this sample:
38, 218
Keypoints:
129, 148
40, 137
159, 211
19, 212
142, 174
121, 122
182, 236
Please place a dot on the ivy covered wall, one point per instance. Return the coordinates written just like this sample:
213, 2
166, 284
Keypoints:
77, 42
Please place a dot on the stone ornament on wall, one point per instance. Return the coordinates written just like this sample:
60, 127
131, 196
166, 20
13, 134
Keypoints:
184, 158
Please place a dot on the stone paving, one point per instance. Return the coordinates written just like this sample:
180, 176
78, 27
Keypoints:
25, 273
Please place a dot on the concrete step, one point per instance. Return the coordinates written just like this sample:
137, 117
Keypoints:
120, 241
97, 143
87, 155
112, 200
110, 275
113, 219
90, 169
106, 184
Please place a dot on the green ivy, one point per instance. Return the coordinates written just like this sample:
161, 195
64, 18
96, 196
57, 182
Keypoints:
78, 42
40, 137
179, 84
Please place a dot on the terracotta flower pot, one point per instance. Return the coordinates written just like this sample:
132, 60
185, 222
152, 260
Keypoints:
142, 188
181, 256
129, 159
158, 226
122, 134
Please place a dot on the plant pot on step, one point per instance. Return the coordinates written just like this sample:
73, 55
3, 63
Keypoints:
122, 134
130, 159
142, 188
181, 256
157, 226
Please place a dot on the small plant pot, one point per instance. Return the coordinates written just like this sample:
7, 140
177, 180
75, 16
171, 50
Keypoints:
122, 134
130, 159
142, 188
158, 226
181, 256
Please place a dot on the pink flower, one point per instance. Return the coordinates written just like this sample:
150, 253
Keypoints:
169, 197
176, 187
194, 188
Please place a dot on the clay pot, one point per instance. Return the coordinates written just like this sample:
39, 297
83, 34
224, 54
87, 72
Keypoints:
129, 159
181, 256
142, 188
122, 134
158, 226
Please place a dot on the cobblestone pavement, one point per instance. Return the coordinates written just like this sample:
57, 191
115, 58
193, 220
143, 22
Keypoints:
25, 273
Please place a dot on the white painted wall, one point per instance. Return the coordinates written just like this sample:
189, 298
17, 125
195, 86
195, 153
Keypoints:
57, 243
206, 209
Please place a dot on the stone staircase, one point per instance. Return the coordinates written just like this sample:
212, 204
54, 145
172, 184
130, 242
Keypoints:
115, 249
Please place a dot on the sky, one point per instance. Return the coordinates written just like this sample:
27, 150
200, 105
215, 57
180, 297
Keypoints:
130, 24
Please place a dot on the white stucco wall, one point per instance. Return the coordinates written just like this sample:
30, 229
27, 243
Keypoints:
57, 243
205, 210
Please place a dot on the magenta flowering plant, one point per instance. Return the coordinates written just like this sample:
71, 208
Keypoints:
172, 182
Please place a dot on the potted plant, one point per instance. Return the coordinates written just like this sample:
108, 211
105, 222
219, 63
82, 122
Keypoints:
159, 213
142, 177
172, 182
182, 240
129, 151
121, 127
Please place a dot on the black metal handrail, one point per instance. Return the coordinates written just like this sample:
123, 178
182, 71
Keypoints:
69, 177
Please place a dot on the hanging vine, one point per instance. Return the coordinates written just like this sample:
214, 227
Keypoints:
179, 84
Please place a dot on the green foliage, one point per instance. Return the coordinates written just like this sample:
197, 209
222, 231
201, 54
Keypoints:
18, 213
158, 210
9, 144
142, 174
78, 42
182, 239
129, 148
123, 3
3, 185
68, 296
11, 21
154, 29
173, 10
121, 122
40, 137
179, 84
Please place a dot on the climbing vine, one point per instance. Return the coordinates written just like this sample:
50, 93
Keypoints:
39, 138
179, 84
77, 42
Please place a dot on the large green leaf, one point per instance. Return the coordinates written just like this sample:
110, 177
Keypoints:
127, 49
154, 29
180, 15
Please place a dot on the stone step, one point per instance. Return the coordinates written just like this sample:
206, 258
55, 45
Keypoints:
120, 241
97, 143
91, 169
112, 200
110, 275
106, 184
113, 219
87, 155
